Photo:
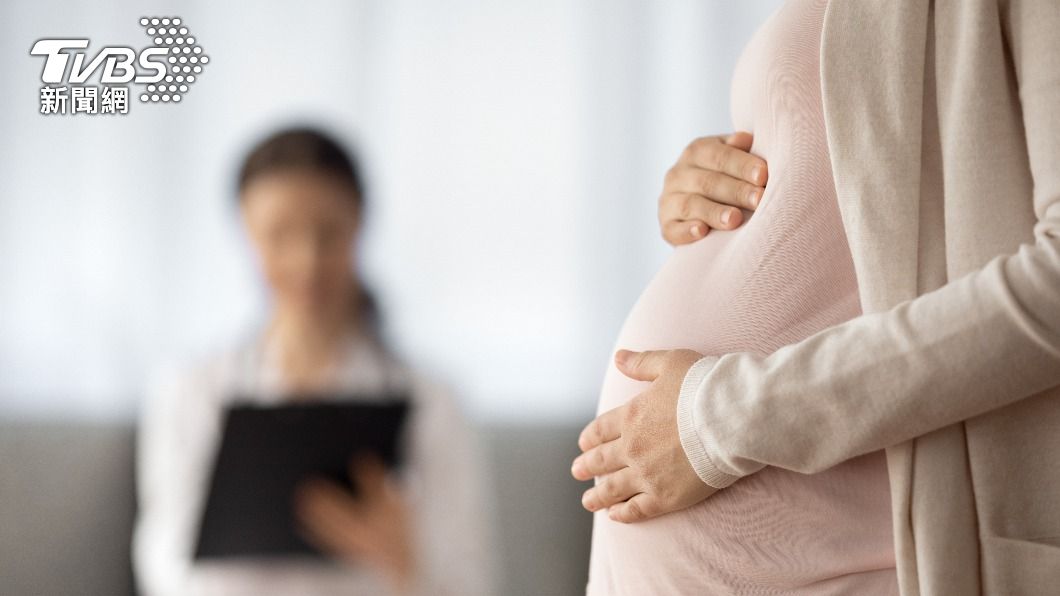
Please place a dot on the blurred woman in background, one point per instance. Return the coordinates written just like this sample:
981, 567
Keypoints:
302, 202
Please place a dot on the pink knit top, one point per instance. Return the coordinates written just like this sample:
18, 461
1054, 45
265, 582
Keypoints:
783, 275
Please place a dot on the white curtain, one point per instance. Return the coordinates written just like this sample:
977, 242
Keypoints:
514, 152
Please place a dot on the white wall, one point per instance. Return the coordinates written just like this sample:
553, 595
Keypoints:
514, 152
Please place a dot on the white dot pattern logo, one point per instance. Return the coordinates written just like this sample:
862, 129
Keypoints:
185, 57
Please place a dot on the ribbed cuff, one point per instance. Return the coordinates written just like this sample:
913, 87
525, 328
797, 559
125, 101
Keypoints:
696, 446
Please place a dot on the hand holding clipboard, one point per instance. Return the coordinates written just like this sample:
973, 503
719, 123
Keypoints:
268, 452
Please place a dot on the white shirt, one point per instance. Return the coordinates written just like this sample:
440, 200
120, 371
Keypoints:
443, 478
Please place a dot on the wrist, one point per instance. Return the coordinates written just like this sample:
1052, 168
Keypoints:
698, 448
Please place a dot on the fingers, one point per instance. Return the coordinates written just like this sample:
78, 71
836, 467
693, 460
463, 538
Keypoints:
330, 518
598, 461
369, 475
606, 427
676, 231
713, 179
642, 366
640, 507
693, 208
720, 188
714, 153
323, 498
330, 537
741, 139
611, 489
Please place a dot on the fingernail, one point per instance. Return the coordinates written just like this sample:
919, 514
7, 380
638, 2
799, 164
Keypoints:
756, 173
726, 217
755, 197
621, 356
585, 502
696, 231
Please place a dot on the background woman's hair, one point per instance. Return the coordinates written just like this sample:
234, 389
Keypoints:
310, 149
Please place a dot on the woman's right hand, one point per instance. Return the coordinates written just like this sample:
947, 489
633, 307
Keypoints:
713, 176
373, 527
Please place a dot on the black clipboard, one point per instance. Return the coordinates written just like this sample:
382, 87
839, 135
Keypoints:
267, 451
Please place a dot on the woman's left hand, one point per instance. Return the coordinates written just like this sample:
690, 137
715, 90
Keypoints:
372, 527
636, 448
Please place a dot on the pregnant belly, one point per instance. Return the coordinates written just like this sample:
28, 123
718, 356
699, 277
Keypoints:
754, 289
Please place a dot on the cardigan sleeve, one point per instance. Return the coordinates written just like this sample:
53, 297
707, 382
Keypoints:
978, 343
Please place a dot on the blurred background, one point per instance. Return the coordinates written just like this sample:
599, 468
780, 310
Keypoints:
513, 153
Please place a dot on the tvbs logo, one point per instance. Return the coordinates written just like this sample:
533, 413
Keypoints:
165, 70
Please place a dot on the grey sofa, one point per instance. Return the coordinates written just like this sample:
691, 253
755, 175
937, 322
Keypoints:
67, 504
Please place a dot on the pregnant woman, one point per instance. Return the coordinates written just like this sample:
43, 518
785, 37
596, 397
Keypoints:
781, 276
848, 393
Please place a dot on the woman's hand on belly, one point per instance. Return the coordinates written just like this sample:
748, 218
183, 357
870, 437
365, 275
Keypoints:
636, 448
713, 176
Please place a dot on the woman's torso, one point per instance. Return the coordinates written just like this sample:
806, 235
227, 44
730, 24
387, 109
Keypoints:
785, 274
252, 373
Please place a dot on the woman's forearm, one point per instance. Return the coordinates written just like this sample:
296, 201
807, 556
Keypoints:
977, 344
981, 342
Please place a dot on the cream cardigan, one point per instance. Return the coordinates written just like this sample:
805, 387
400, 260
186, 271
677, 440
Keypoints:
943, 123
